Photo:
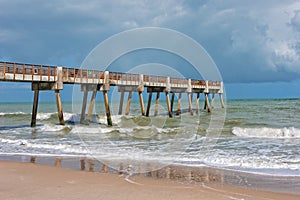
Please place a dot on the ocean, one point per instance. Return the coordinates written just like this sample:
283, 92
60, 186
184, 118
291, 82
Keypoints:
255, 136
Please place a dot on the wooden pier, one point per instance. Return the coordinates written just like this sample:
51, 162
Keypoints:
54, 77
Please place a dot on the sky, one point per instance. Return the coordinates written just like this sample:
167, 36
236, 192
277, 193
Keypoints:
255, 44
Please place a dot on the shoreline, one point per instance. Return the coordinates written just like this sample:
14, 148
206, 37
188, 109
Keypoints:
197, 176
21, 180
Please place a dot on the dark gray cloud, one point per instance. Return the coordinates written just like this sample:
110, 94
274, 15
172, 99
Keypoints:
250, 41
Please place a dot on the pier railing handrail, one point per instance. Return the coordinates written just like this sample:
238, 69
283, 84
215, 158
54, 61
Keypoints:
70, 75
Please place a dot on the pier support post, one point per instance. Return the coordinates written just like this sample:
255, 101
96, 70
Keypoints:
221, 100
168, 104
190, 102
172, 101
121, 103
140, 89
189, 93
85, 94
207, 103
59, 108
128, 103
179, 105
156, 104
212, 100
197, 103
149, 104
107, 109
91, 107
142, 103
34, 108
220, 93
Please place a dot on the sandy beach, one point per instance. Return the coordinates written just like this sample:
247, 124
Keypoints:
33, 181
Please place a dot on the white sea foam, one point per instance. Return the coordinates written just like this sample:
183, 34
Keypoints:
9, 141
90, 130
71, 117
12, 113
52, 128
66, 148
116, 119
43, 116
264, 132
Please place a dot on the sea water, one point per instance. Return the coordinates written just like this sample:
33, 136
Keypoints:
257, 136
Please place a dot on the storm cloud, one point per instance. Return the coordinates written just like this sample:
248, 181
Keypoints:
250, 41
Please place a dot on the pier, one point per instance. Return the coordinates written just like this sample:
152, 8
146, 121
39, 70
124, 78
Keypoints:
54, 77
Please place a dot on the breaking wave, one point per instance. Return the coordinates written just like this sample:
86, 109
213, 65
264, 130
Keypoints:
265, 132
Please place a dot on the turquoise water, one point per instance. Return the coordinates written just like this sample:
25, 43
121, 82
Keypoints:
259, 136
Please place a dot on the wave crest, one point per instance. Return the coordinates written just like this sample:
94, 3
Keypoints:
265, 132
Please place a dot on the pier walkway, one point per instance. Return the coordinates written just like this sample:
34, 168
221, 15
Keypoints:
54, 77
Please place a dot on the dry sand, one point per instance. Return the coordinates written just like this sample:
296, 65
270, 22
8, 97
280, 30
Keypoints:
32, 181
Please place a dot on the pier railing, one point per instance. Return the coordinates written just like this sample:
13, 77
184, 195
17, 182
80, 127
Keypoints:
38, 73
27, 72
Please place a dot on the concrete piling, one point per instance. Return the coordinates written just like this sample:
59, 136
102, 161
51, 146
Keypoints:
149, 103
59, 108
34, 108
213, 100
207, 103
190, 103
142, 103
221, 100
168, 105
197, 103
128, 103
91, 107
85, 94
156, 104
121, 103
172, 101
178, 112
107, 109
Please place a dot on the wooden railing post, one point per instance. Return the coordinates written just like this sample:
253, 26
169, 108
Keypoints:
14, 70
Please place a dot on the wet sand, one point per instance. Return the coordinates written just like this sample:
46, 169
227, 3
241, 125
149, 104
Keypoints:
34, 181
